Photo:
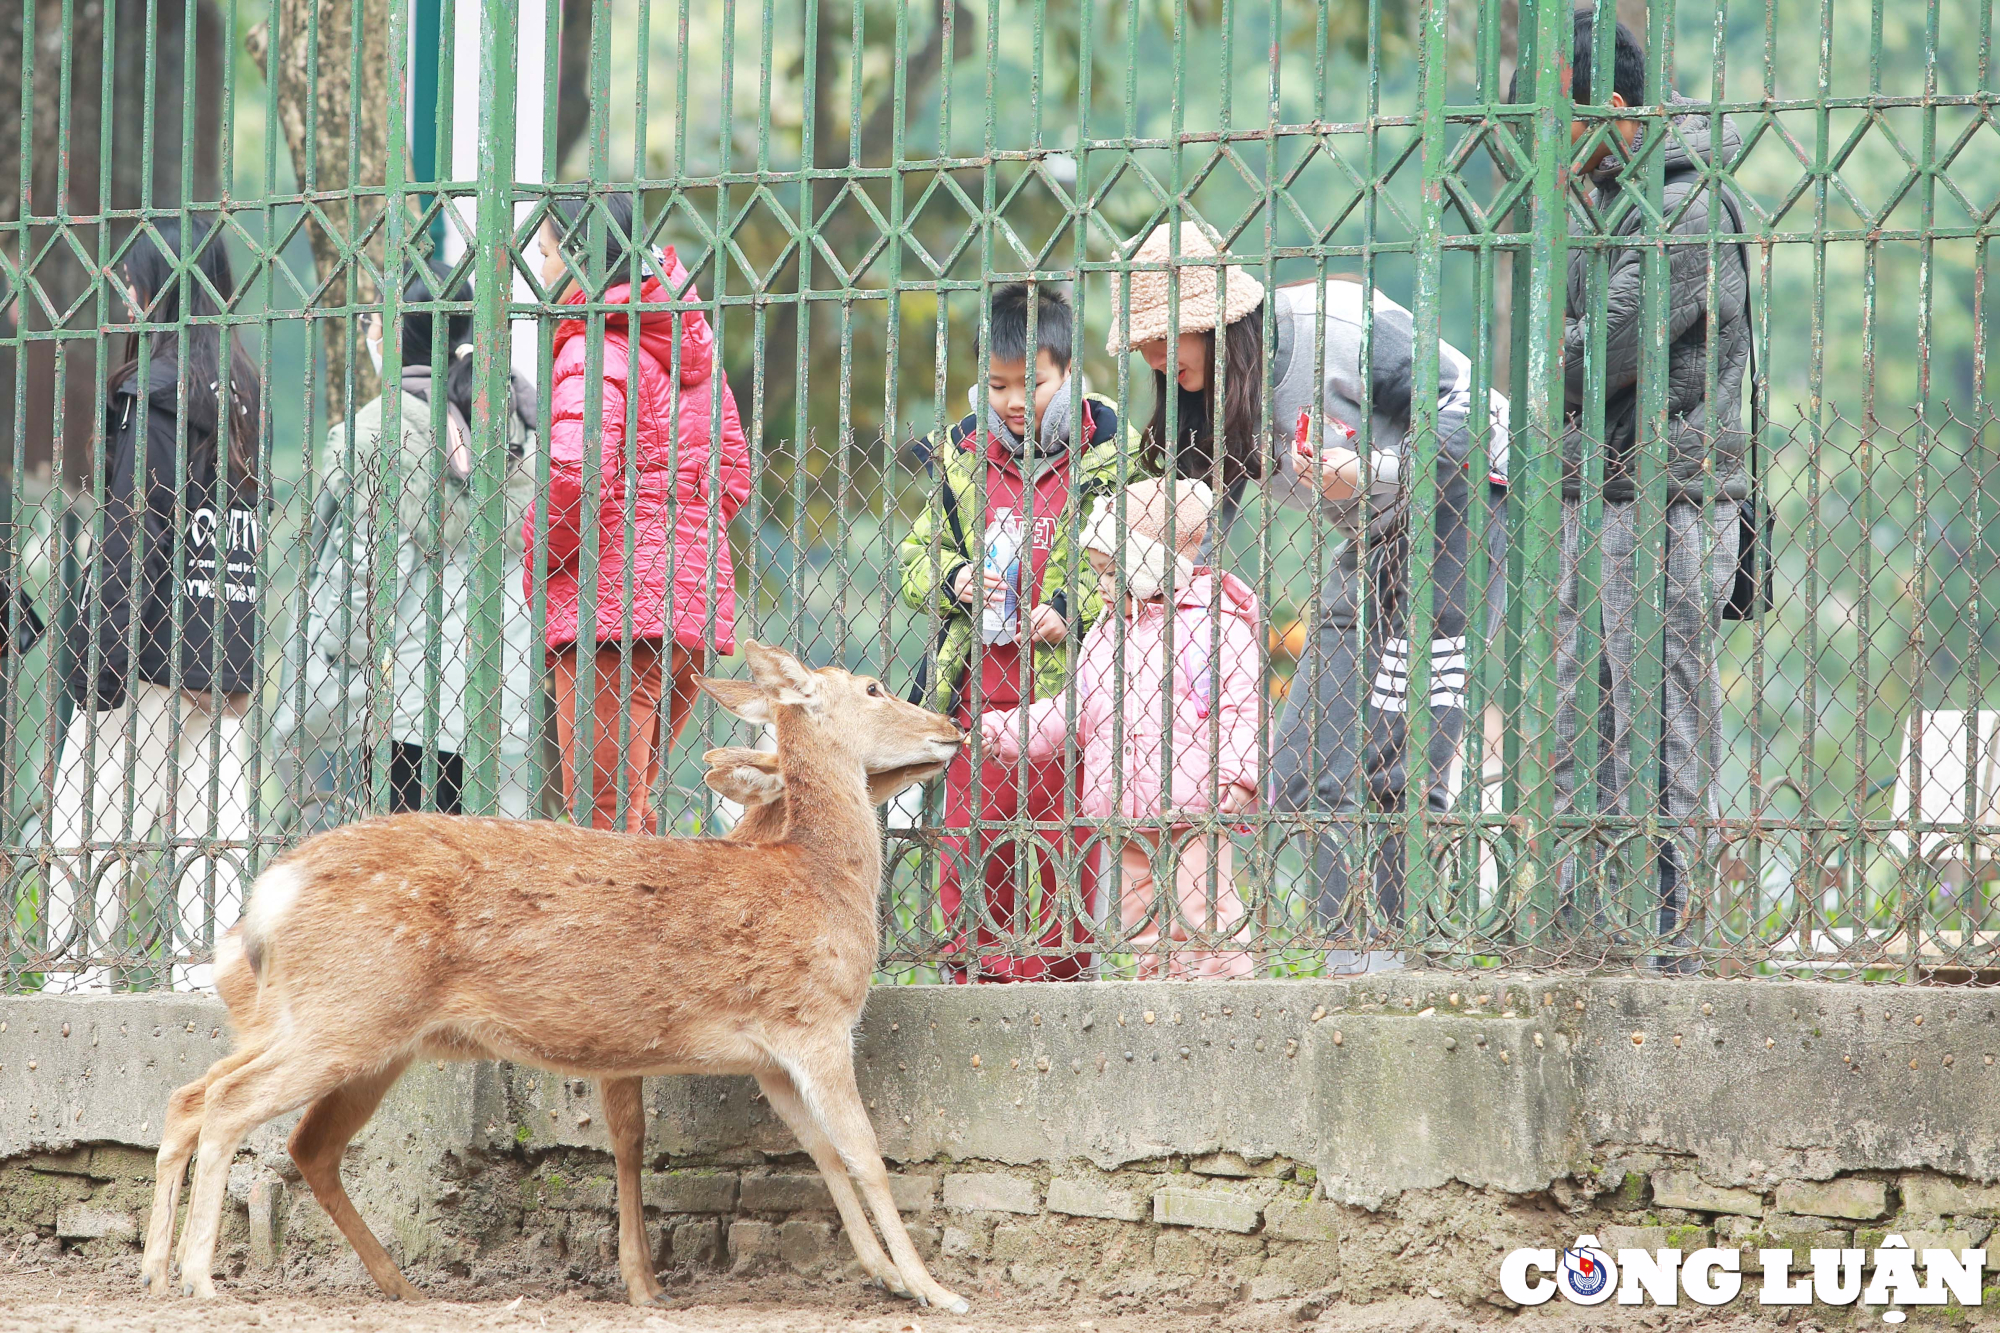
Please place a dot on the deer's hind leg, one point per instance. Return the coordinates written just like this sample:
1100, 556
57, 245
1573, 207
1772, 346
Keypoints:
316, 1145
830, 1094
273, 1082
785, 1100
178, 1136
625, 1119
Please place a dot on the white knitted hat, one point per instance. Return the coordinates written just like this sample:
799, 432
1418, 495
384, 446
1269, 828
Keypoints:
1143, 550
1198, 284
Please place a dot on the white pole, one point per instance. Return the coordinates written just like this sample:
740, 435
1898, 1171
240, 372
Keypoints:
531, 43
530, 94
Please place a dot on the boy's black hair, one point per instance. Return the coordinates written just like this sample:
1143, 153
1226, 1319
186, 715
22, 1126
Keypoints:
1054, 323
1628, 63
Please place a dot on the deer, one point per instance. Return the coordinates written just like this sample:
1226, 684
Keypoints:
446, 937
749, 777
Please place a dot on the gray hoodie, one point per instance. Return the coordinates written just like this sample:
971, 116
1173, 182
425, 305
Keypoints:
1705, 441
1393, 372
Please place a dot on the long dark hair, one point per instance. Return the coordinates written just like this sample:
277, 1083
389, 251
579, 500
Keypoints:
196, 349
1242, 453
572, 223
420, 331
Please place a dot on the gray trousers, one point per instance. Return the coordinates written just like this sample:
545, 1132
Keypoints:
1343, 736
1698, 564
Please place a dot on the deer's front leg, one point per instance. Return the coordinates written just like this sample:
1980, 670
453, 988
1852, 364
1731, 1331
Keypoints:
784, 1098
832, 1095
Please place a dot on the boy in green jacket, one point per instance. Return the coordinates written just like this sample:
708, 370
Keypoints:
1011, 466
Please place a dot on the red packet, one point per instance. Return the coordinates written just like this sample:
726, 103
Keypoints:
1336, 430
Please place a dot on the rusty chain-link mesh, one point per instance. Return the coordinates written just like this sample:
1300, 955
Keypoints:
1620, 777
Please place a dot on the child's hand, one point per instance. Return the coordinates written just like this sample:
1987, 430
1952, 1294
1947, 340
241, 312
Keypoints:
1236, 797
997, 730
1043, 625
968, 591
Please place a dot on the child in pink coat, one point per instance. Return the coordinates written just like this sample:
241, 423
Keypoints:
1207, 763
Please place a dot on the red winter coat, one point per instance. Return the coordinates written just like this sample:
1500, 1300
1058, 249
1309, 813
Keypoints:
670, 514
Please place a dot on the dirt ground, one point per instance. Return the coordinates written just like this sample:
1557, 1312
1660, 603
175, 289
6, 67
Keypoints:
74, 1294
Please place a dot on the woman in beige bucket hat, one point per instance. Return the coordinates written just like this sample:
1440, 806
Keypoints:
1342, 740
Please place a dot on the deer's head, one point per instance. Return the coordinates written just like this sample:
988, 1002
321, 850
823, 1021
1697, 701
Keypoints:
853, 713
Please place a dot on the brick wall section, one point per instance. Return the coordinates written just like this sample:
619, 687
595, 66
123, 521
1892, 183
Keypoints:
1302, 1142
1162, 1230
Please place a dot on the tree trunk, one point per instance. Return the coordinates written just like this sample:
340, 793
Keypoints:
572, 80
75, 136
348, 149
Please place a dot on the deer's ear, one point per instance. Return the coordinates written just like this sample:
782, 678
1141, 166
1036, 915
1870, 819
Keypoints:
738, 756
747, 700
747, 784
789, 680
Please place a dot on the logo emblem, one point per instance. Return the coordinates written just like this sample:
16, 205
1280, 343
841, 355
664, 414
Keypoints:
1586, 1274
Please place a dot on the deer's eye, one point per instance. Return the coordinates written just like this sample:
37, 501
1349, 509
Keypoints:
875, 688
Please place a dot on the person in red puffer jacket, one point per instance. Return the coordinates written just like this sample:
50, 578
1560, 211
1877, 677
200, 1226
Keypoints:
673, 472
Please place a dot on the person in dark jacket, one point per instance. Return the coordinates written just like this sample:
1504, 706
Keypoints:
163, 647
1695, 542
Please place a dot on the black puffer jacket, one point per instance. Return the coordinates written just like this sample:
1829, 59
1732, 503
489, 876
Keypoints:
159, 529
1705, 441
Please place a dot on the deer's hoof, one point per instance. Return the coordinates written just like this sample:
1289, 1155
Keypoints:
958, 1305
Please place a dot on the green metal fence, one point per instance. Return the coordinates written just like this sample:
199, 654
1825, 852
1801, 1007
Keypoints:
847, 186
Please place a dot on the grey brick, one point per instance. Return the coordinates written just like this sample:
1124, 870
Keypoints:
1684, 1189
1300, 1219
1089, 1198
1850, 1197
1614, 1239
84, 1221
1780, 1231
75, 1162
267, 1205
784, 1194
913, 1194
1801, 1244
751, 1243
698, 1243
989, 1191
805, 1245
598, 1195
1935, 1196
1951, 1239
802, 1193
1216, 1210
1016, 1241
689, 1191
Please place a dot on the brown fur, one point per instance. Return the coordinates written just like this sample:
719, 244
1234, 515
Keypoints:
434, 936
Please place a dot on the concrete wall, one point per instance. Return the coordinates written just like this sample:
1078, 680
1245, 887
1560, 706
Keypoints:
1274, 1139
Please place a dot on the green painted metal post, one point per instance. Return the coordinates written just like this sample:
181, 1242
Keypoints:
1538, 439
492, 292
1421, 451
